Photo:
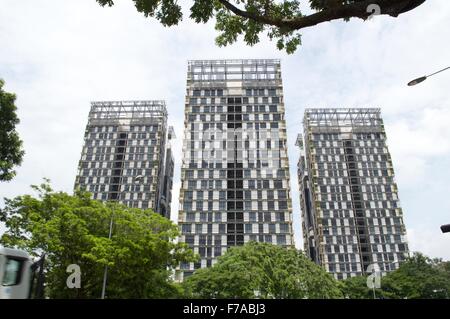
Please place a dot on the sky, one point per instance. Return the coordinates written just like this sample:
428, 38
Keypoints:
58, 56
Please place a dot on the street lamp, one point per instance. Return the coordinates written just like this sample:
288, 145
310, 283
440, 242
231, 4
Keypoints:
423, 78
105, 274
445, 228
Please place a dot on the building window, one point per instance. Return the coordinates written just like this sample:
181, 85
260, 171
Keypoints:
281, 239
186, 228
284, 228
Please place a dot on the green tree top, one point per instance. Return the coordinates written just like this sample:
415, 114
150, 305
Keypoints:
280, 20
262, 270
418, 277
11, 152
74, 229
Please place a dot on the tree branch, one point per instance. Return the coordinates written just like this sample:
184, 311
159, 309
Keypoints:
354, 10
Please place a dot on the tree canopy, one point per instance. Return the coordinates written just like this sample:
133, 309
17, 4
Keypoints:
11, 152
279, 20
262, 270
418, 277
74, 229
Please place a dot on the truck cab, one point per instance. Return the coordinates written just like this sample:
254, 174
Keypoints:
15, 274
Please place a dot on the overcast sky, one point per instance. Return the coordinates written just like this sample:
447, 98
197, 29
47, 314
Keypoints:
57, 56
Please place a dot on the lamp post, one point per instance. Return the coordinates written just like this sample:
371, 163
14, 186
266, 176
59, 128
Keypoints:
376, 273
105, 273
423, 78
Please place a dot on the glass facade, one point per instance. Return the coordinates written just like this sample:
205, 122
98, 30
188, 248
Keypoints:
351, 214
124, 140
235, 170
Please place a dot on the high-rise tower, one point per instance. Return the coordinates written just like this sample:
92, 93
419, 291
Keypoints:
235, 170
125, 140
351, 214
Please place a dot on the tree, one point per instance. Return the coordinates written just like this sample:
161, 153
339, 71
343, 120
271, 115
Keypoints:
417, 277
356, 288
280, 20
73, 229
11, 152
262, 270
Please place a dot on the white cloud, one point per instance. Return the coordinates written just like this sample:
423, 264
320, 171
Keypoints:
431, 242
415, 141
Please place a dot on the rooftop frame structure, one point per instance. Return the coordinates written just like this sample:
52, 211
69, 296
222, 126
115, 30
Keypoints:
343, 119
252, 72
128, 109
343, 116
126, 112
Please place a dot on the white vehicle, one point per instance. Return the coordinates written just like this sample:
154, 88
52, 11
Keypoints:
18, 275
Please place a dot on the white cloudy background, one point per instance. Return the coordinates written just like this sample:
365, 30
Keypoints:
57, 56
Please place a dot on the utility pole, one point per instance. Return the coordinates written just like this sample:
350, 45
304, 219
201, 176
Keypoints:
105, 274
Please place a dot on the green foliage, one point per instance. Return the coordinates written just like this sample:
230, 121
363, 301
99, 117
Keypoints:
11, 152
279, 20
418, 277
273, 271
202, 10
356, 288
74, 230
168, 12
229, 25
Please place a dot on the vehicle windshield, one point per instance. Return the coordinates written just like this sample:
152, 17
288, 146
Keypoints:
12, 272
